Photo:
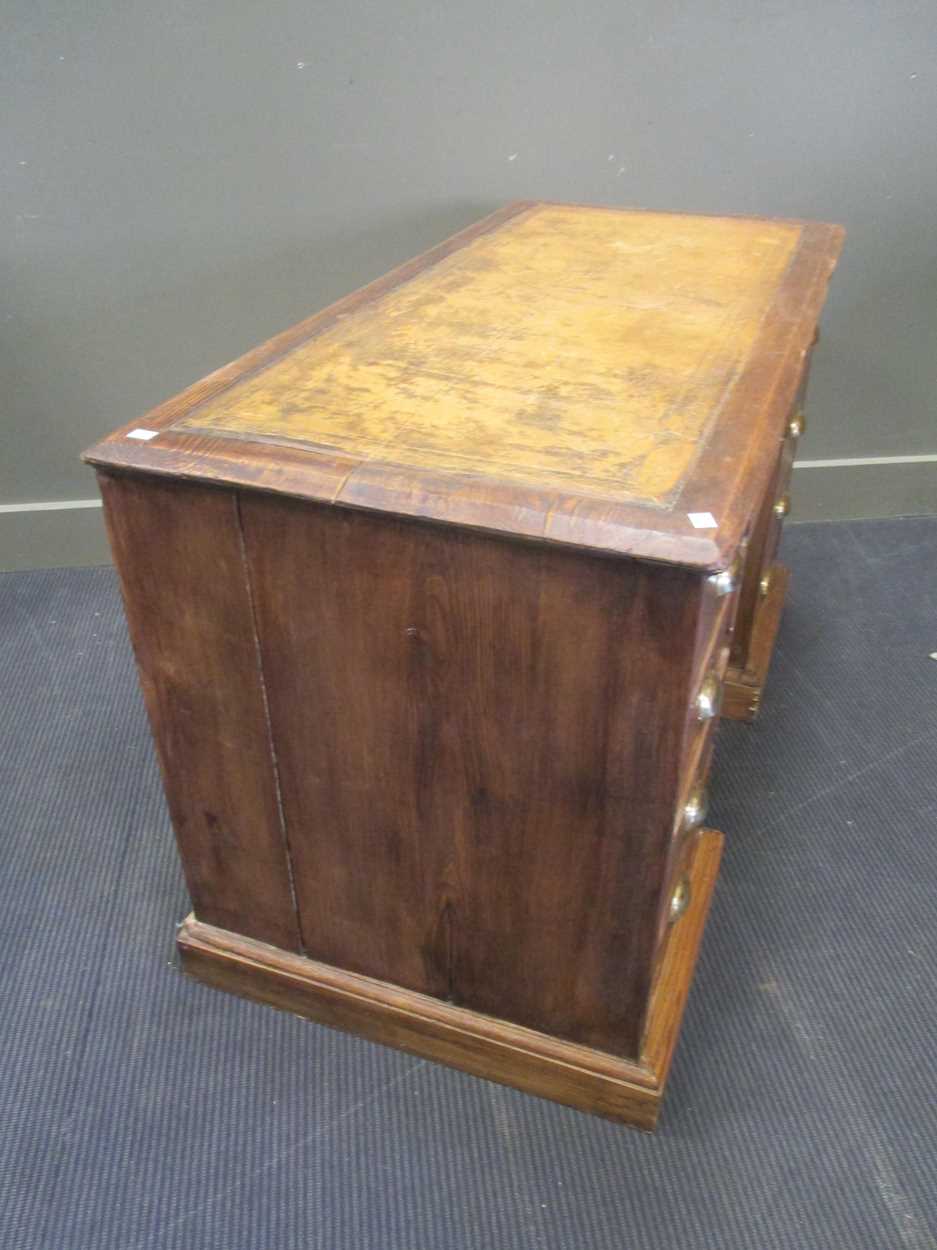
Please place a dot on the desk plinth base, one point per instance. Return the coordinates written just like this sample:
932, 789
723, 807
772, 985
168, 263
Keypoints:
743, 687
537, 1063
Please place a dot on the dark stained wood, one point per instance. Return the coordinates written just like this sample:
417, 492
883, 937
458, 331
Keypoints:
730, 477
744, 687
761, 552
471, 813
749, 596
630, 1092
766, 529
671, 985
178, 552
715, 625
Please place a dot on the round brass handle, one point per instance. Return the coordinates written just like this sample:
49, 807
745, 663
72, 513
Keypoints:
709, 698
797, 424
765, 584
679, 900
782, 507
694, 810
725, 581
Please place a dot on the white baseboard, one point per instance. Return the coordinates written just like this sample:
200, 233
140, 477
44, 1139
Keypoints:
867, 486
52, 533
50, 505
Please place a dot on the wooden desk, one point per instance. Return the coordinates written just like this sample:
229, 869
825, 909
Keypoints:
433, 599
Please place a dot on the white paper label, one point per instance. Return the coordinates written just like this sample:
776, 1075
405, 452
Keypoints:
143, 435
702, 520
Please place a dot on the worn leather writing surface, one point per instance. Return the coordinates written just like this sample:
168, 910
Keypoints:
601, 378
588, 350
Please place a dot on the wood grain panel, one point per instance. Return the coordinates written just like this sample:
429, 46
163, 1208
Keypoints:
479, 747
178, 552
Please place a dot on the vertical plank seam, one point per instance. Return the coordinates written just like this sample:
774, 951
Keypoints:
274, 760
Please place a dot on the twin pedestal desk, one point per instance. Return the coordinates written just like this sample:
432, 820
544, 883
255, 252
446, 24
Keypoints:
436, 599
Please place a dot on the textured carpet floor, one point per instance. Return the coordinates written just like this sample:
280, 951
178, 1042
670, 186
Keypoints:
138, 1109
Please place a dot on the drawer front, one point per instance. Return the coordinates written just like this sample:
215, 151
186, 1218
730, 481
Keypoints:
718, 611
765, 539
689, 819
779, 498
712, 649
706, 694
691, 805
676, 894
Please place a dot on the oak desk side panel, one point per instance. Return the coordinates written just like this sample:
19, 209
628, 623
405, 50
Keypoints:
178, 552
478, 742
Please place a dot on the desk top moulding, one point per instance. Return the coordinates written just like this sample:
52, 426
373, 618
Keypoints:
602, 378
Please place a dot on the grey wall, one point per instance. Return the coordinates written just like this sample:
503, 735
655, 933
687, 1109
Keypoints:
182, 180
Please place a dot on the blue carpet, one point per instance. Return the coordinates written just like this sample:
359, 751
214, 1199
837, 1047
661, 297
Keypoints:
138, 1109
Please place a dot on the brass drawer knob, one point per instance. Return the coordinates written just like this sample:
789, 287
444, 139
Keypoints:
765, 585
782, 507
694, 810
709, 698
725, 581
797, 424
680, 899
